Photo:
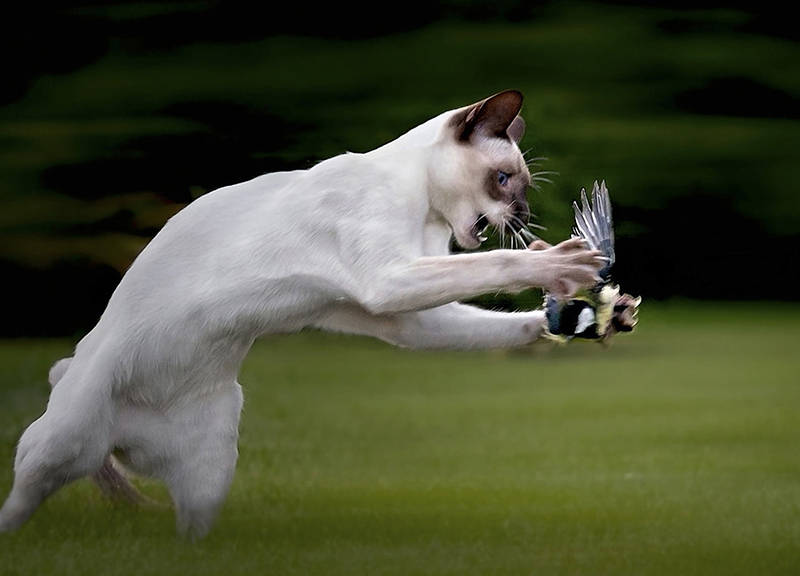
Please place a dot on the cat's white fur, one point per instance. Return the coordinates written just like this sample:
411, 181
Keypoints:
358, 243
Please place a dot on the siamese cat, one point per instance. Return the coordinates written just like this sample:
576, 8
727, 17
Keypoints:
360, 243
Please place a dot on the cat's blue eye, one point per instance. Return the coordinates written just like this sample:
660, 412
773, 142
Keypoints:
502, 178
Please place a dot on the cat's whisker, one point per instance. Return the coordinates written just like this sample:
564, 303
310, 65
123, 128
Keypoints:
536, 161
540, 176
527, 235
512, 240
518, 220
535, 184
530, 225
506, 228
524, 227
520, 239
515, 240
478, 219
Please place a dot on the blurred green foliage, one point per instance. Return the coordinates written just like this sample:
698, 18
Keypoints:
690, 115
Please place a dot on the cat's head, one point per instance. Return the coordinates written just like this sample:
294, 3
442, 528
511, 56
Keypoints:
478, 175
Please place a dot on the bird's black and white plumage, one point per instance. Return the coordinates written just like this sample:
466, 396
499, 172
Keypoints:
601, 311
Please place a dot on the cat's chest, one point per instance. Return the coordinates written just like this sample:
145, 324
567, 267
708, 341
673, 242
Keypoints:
436, 236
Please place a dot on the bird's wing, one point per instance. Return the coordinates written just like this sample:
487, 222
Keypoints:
593, 223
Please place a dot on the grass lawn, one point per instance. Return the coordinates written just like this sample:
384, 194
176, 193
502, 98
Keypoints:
675, 452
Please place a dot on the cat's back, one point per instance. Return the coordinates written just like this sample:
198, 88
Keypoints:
278, 202
226, 207
272, 226
211, 235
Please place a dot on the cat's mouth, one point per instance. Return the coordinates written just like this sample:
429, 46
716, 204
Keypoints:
479, 228
512, 228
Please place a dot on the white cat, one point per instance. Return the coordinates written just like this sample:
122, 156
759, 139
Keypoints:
358, 243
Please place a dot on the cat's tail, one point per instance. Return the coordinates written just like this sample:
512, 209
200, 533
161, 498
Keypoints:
110, 478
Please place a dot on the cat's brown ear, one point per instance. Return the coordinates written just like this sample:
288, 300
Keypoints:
492, 118
517, 129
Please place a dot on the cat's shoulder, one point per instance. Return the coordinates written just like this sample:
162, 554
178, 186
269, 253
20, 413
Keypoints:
353, 170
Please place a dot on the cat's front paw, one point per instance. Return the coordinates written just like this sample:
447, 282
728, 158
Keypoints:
571, 267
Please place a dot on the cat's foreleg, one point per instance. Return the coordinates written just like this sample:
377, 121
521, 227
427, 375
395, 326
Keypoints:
452, 326
460, 326
432, 281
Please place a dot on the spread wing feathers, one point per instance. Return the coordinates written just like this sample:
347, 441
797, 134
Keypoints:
593, 223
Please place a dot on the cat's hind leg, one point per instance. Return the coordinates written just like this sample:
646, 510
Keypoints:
191, 447
200, 477
109, 478
69, 441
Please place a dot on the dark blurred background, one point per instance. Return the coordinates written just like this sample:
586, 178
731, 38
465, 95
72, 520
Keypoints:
115, 115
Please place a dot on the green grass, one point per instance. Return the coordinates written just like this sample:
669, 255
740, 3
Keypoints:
673, 452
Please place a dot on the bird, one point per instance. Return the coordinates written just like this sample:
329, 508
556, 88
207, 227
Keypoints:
600, 311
